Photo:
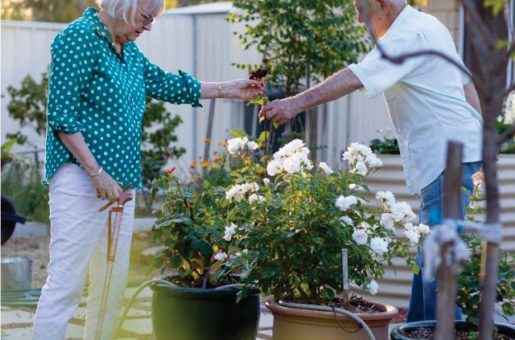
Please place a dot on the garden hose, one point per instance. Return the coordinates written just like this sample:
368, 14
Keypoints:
353, 316
133, 298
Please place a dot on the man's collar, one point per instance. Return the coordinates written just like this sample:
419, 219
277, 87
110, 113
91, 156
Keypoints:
401, 18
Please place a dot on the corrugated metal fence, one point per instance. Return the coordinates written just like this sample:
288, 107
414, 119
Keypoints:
396, 284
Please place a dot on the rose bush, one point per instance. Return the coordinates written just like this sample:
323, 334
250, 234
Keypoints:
282, 222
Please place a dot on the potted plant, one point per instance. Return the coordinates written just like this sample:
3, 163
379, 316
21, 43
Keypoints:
202, 297
468, 294
294, 218
468, 298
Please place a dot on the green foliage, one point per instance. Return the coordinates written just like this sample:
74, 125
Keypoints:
183, 3
6, 151
496, 5
301, 40
386, 145
21, 182
276, 226
468, 296
44, 10
509, 146
28, 105
157, 136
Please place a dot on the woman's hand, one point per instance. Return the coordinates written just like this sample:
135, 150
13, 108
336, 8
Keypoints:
243, 89
107, 187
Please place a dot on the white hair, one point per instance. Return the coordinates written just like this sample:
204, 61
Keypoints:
126, 9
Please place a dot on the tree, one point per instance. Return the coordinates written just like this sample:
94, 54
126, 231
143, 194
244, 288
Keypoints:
28, 105
44, 10
301, 40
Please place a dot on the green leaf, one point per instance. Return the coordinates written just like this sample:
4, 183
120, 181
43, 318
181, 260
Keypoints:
239, 133
175, 261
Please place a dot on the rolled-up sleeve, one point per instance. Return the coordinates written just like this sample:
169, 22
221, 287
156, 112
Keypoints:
176, 88
71, 70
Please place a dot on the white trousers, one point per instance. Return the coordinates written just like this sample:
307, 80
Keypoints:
78, 239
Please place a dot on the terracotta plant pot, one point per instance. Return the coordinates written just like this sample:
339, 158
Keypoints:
305, 324
403, 332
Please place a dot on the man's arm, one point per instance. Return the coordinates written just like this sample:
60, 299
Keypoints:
471, 96
338, 85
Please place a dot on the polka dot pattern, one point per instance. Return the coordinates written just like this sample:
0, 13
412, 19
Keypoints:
96, 91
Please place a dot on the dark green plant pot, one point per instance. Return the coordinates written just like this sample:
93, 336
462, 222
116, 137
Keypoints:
193, 313
402, 332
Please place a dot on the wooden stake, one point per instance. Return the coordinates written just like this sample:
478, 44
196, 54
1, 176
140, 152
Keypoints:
345, 276
446, 303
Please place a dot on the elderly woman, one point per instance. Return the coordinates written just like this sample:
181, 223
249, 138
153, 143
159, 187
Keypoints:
99, 80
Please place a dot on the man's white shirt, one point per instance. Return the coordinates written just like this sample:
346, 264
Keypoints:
425, 96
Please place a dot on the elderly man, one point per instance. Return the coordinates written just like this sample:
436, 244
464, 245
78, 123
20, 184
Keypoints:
430, 101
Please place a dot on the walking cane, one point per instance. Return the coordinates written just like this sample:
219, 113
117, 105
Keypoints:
112, 240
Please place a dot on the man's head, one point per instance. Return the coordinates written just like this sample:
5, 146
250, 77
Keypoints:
378, 15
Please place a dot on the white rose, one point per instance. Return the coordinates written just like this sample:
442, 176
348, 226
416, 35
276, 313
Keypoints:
346, 220
373, 162
292, 146
412, 236
273, 167
373, 287
256, 198
230, 230
345, 202
251, 187
252, 145
292, 164
360, 236
364, 226
234, 145
266, 181
401, 212
423, 229
232, 192
379, 245
387, 222
386, 197
360, 168
221, 256
326, 168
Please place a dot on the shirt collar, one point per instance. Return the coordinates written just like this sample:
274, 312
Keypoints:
91, 16
406, 12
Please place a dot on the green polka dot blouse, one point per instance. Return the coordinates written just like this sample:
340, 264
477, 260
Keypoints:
95, 91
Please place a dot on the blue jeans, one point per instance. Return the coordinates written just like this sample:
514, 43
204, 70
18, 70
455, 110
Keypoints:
422, 304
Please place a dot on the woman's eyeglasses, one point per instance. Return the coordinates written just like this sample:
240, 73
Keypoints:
147, 18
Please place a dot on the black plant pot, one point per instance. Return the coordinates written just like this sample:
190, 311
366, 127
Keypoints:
402, 332
192, 313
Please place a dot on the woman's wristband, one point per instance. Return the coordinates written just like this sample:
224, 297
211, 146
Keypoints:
96, 173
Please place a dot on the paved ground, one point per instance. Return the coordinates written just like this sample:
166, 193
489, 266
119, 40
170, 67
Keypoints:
17, 321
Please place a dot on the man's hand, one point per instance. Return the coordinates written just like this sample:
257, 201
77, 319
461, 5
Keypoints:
279, 111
